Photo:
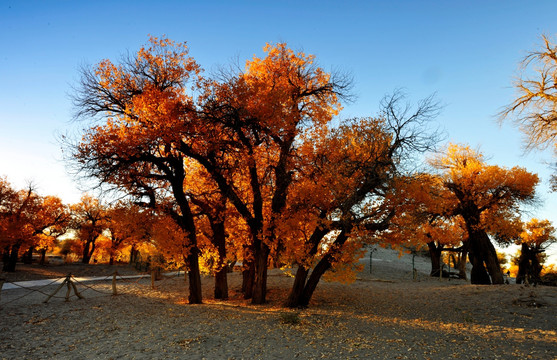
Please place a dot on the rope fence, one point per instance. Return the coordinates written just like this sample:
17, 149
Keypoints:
71, 284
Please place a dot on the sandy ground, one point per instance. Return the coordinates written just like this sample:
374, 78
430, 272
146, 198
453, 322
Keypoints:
382, 315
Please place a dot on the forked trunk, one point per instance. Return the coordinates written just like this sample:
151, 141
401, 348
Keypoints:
529, 267
297, 288
6, 255
478, 275
248, 271
300, 279
523, 274
536, 267
134, 254
483, 257
490, 259
494, 269
322, 266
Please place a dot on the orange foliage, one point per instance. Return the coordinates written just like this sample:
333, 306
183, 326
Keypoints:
127, 225
549, 269
487, 196
424, 215
252, 152
89, 219
537, 234
30, 220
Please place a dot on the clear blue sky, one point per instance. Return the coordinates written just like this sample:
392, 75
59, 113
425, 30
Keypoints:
466, 51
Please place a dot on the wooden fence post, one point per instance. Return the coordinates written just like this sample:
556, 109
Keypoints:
75, 290
441, 271
114, 291
58, 289
69, 286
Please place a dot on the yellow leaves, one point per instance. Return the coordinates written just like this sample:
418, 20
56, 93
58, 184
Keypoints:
537, 232
171, 241
467, 194
144, 97
286, 87
458, 156
486, 197
167, 60
466, 173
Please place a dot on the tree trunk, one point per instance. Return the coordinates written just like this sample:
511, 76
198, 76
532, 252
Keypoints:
483, 257
221, 275
529, 267
260, 282
133, 255
478, 275
462, 261
248, 277
489, 255
536, 267
248, 271
9, 265
42, 260
192, 261
86, 252
302, 273
6, 255
435, 254
297, 288
523, 264
323, 265
27, 258
221, 283
194, 277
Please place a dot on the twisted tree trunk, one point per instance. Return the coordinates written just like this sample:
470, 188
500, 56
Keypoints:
435, 254
10, 258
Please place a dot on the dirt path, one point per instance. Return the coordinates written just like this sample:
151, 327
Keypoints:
385, 315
